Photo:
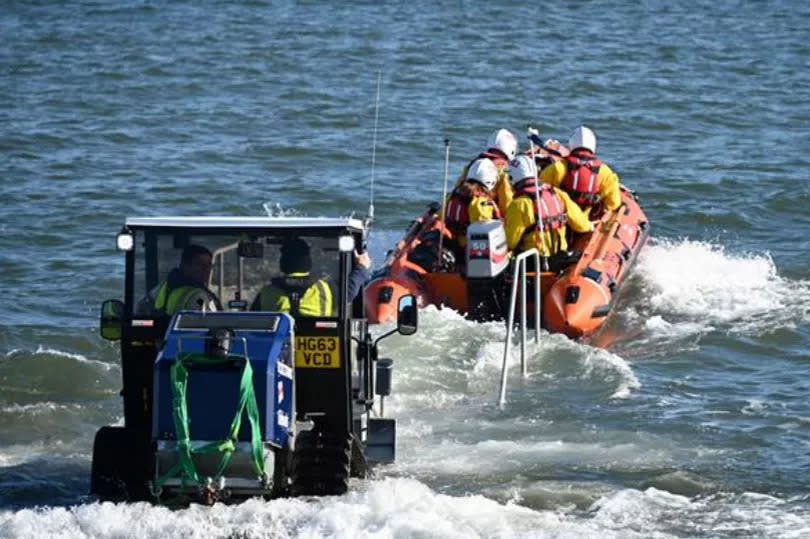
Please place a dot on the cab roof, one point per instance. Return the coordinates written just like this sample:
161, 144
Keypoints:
239, 223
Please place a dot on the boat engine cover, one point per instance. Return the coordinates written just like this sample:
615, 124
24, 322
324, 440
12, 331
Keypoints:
487, 252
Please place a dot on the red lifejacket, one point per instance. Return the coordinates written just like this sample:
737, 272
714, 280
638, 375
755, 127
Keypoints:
457, 213
552, 210
581, 180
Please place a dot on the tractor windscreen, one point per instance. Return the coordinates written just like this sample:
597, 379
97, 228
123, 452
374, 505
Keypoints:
232, 270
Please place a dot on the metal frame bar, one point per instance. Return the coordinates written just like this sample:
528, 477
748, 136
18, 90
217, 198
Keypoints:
519, 275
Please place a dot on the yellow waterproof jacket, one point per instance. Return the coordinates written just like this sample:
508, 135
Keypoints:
503, 189
608, 183
520, 219
315, 298
482, 208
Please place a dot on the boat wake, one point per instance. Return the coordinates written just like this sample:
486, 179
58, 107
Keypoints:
682, 290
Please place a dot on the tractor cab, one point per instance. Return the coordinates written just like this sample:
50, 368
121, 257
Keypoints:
243, 373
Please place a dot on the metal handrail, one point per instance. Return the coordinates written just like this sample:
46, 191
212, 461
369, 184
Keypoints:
219, 260
219, 254
519, 273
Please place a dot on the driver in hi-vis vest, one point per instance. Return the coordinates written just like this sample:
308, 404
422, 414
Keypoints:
185, 288
297, 292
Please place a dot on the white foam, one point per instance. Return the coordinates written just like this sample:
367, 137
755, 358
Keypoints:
401, 507
597, 362
388, 508
633, 509
453, 360
707, 285
753, 407
275, 209
14, 455
41, 350
661, 327
461, 461
656, 513
60, 353
415, 401
39, 408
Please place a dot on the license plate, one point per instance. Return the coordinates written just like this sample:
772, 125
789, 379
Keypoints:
317, 352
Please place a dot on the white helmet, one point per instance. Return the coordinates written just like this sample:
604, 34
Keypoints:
484, 172
522, 167
505, 141
582, 137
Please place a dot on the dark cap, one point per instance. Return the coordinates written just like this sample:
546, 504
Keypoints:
295, 257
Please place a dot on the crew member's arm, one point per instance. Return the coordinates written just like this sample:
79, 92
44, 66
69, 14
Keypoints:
577, 219
609, 187
503, 190
554, 173
517, 219
359, 274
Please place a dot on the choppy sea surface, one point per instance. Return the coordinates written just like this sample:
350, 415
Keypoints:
692, 417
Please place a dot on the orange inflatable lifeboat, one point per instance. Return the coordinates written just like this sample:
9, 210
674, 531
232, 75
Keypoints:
576, 298
412, 267
579, 299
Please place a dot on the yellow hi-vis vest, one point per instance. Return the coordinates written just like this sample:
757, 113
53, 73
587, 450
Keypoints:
313, 301
176, 300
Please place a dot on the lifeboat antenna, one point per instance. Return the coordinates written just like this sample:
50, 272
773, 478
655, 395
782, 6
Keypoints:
444, 199
370, 216
533, 134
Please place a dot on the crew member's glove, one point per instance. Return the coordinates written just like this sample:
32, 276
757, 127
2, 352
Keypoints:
362, 259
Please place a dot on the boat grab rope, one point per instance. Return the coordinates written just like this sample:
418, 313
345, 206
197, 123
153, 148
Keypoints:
185, 467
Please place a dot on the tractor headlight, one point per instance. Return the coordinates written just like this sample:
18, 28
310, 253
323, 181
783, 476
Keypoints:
346, 244
124, 241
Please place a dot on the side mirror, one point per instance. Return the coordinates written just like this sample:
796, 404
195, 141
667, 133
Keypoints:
407, 315
112, 313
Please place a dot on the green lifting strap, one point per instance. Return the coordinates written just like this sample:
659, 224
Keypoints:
185, 467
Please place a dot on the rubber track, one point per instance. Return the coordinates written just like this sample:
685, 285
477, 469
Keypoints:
320, 464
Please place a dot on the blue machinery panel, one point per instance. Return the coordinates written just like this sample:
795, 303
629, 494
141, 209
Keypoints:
213, 390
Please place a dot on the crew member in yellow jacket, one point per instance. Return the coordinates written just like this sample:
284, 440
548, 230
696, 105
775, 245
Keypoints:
556, 209
587, 180
472, 201
502, 147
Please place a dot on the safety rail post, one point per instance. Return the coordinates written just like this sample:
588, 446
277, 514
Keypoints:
218, 260
519, 275
221, 287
